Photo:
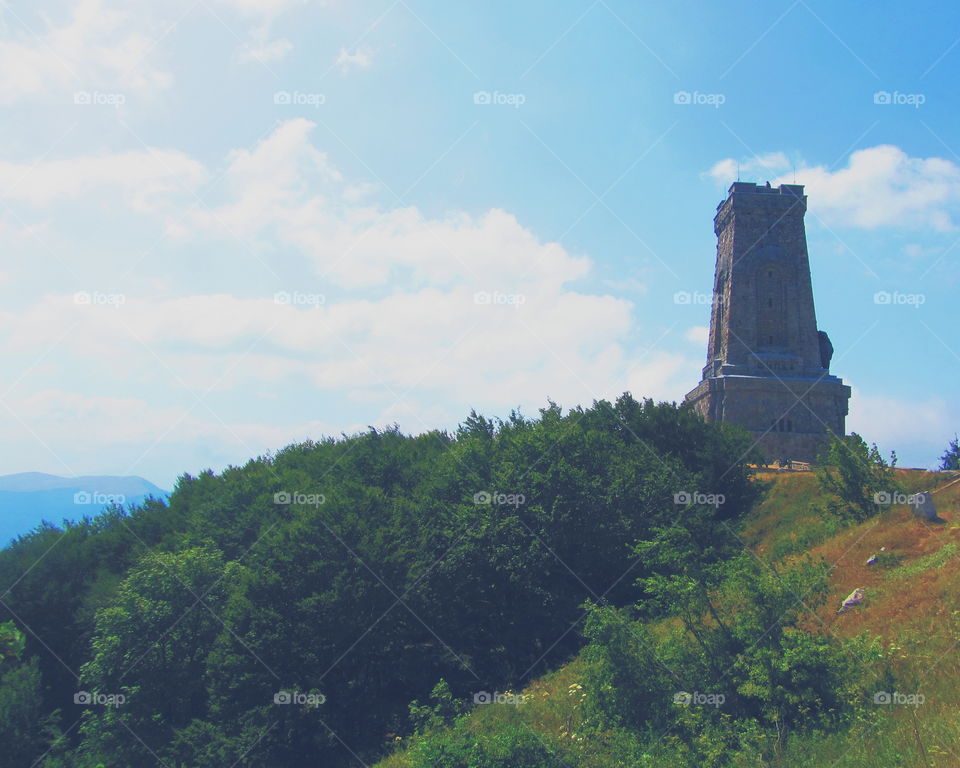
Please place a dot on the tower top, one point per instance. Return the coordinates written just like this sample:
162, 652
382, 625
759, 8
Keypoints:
774, 202
749, 187
742, 188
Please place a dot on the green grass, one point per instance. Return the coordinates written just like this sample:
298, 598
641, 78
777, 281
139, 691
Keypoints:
933, 560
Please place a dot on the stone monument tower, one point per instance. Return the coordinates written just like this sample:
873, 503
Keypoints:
768, 367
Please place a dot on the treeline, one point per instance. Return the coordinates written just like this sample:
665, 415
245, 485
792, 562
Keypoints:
287, 612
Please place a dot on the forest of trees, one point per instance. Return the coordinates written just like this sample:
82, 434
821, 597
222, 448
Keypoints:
287, 612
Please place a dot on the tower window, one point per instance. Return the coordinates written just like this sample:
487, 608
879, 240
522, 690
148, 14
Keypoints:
770, 303
771, 339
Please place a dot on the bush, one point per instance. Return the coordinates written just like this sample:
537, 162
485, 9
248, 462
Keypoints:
855, 475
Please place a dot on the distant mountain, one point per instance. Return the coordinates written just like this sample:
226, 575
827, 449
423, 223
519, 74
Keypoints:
27, 498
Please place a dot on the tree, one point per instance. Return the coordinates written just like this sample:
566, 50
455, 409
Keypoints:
739, 640
951, 457
857, 476
21, 715
145, 679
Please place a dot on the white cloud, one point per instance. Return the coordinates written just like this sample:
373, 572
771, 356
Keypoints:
272, 50
727, 171
898, 424
360, 58
267, 8
99, 47
697, 334
286, 188
663, 376
880, 186
422, 317
144, 177
263, 14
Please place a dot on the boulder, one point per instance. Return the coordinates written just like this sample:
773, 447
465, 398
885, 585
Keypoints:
922, 504
855, 598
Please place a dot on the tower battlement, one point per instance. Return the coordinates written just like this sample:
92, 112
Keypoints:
749, 187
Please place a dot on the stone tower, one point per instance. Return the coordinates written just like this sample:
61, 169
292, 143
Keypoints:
768, 367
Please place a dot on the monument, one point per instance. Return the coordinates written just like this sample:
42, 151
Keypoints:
768, 366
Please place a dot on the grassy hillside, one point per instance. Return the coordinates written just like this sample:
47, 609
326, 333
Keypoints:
911, 608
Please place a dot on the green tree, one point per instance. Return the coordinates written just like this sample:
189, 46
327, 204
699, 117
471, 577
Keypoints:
22, 722
149, 654
951, 457
856, 476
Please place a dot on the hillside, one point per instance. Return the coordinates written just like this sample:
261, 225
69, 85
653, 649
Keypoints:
912, 605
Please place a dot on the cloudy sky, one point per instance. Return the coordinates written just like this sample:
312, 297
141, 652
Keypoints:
227, 225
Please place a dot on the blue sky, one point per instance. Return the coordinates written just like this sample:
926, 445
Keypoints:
232, 224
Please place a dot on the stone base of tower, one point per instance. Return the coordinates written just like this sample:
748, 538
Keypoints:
789, 418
